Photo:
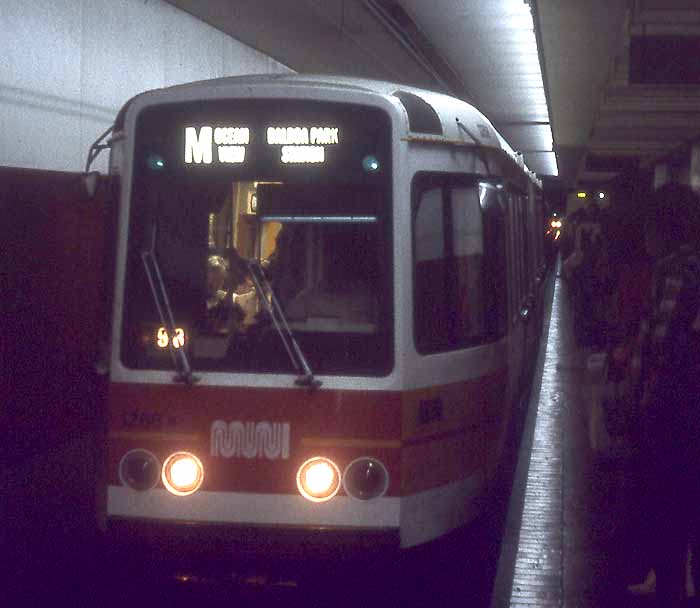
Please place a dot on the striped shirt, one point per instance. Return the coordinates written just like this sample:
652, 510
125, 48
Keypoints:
666, 360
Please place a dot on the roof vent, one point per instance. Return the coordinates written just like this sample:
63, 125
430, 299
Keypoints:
422, 118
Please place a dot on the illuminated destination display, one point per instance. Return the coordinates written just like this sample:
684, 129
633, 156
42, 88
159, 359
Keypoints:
230, 144
303, 136
303, 154
302, 144
227, 144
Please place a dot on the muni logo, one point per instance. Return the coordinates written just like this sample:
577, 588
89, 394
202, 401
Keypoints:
250, 439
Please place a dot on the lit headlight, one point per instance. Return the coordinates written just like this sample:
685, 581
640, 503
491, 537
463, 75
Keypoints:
139, 469
183, 473
318, 479
366, 478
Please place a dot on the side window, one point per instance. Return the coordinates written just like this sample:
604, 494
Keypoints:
525, 227
433, 316
459, 264
517, 250
468, 261
496, 262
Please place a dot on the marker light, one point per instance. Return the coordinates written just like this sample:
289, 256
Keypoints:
318, 479
183, 473
365, 479
581, 194
155, 162
139, 470
370, 164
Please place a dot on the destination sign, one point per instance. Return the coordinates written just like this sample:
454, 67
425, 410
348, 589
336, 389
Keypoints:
298, 144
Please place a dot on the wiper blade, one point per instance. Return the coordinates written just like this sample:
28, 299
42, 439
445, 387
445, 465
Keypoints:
296, 355
165, 312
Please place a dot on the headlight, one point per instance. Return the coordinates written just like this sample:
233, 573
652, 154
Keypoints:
366, 478
183, 473
139, 469
318, 479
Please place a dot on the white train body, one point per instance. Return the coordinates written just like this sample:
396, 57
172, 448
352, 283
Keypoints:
421, 368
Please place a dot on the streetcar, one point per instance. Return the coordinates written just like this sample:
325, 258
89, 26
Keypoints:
326, 305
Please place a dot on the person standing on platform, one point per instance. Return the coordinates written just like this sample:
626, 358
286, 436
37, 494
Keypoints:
667, 365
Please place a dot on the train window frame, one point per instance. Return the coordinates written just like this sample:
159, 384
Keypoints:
494, 326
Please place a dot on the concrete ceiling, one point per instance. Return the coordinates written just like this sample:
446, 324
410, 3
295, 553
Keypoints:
599, 121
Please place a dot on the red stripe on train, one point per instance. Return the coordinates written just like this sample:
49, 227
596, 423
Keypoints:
280, 429
462, 434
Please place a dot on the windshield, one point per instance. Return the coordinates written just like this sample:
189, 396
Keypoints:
320, 232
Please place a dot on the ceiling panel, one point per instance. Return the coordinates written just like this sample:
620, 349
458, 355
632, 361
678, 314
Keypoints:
528, 138
542, 163
579, 41
477, 49
492, 48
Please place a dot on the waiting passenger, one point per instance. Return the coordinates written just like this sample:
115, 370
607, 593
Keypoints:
667, 363
633, 271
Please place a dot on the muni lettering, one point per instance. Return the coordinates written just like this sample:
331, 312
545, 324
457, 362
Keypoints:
250, 440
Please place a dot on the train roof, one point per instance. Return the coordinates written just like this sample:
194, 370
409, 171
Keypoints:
431, 116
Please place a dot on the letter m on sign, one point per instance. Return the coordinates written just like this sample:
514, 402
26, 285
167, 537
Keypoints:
198, 148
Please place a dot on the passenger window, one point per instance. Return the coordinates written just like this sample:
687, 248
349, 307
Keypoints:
468, 253
433, 314
495, 270
459, 264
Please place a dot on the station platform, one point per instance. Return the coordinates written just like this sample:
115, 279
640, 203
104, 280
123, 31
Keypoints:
573, 529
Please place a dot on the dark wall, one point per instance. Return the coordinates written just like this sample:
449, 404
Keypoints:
665, 60
52, 309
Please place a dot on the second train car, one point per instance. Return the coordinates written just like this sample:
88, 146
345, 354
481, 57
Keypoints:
325, 309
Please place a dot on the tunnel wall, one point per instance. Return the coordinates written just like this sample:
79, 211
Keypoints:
67, 67
54, 308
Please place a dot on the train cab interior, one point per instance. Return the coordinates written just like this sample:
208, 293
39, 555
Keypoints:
320, 261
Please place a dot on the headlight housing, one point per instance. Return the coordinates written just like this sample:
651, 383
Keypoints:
183, 473
139, 469
366, 478
318, 479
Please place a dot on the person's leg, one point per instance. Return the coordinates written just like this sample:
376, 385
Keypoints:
638, 529
670, 574
695, 537
672, 531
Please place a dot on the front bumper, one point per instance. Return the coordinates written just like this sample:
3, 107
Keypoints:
223, 544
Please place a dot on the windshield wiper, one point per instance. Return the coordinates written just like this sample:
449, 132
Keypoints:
296, 355
165, 312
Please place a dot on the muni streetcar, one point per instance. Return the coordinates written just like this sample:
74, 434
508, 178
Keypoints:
325, 310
